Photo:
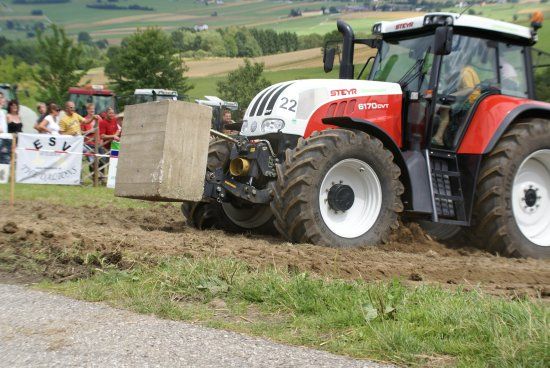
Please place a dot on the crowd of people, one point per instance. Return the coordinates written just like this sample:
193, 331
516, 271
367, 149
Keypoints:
52, 120
98, 130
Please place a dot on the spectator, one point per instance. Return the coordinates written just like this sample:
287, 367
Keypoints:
88, 128
109, 130
70, 123
3, 124
50, 124
41, 109
227, 121
14, 120
88, 124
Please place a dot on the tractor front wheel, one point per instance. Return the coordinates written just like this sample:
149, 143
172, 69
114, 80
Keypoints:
230, 216
513, 192
337, 188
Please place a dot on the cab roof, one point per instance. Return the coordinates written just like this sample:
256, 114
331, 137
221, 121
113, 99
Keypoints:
464, 21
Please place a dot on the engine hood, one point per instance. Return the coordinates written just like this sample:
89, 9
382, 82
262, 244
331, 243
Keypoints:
288, 107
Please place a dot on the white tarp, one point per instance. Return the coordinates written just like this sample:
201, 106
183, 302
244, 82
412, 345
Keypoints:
49, 159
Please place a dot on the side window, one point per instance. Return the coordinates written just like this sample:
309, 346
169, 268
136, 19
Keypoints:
470, 67
513, 78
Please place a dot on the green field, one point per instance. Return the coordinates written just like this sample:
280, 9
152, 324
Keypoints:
171, 14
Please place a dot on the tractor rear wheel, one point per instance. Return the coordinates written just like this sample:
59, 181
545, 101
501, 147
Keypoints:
337, 188
234, 217
513, 192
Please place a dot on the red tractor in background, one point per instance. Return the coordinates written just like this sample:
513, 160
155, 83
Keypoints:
445, 129
102, 98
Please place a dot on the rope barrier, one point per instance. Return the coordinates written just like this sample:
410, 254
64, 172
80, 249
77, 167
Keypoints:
66, 152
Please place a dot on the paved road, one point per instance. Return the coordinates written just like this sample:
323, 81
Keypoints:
45, 330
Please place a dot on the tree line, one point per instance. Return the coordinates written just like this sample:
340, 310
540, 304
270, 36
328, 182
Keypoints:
240, 42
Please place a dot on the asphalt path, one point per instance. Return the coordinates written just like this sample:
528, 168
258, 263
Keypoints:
39, 329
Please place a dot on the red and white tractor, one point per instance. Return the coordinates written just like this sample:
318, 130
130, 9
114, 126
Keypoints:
445, 129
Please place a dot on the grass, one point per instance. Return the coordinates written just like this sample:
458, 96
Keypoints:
387, 321
73, 196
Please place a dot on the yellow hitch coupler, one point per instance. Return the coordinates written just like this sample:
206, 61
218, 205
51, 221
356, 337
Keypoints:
239, 166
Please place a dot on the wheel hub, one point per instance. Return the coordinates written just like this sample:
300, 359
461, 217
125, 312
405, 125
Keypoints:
340, 197
531, 197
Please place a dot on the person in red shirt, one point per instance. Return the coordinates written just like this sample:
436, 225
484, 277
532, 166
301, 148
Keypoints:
91, 121
88, 127
109, 130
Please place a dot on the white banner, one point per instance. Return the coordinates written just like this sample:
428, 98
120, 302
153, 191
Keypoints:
5, 156
49, 159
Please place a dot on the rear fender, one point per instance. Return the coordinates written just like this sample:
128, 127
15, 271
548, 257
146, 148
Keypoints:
493, 117
388, 141
523, 111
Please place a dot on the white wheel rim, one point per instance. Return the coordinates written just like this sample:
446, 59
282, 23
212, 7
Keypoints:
247, 218
366, 207
533, 176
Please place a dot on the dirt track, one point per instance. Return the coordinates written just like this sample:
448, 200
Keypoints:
122, 235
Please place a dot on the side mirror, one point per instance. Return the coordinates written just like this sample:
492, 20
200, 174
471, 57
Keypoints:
443, 40
328, 59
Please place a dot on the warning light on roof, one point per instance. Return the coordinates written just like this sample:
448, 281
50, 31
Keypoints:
536, 20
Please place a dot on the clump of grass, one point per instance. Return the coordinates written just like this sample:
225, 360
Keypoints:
385, 321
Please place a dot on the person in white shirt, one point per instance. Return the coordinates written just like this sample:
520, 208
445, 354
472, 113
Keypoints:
50, 124
3, 122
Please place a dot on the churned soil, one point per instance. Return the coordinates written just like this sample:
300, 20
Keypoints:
65, 242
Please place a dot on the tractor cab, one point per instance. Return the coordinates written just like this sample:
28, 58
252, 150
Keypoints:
444, 63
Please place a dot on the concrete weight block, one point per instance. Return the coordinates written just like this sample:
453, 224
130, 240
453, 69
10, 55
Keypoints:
163, 151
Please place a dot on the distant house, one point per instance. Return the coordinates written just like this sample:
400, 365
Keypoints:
311, 13
219, 2
200, 27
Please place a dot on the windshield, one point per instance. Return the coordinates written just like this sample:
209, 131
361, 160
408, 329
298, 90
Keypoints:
101, 102
405, 61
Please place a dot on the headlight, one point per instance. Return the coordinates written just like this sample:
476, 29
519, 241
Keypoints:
253, 126
244, 127
272, 125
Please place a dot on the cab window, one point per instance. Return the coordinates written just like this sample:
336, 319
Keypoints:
513, 78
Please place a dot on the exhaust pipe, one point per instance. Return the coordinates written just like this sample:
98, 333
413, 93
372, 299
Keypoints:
346, 65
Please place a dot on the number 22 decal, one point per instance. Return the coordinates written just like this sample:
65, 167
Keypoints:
292, 103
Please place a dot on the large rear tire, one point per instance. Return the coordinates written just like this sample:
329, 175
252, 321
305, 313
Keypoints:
337, 188
513, 192
233, 217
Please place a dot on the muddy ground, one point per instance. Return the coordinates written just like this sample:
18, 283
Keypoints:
61, 243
